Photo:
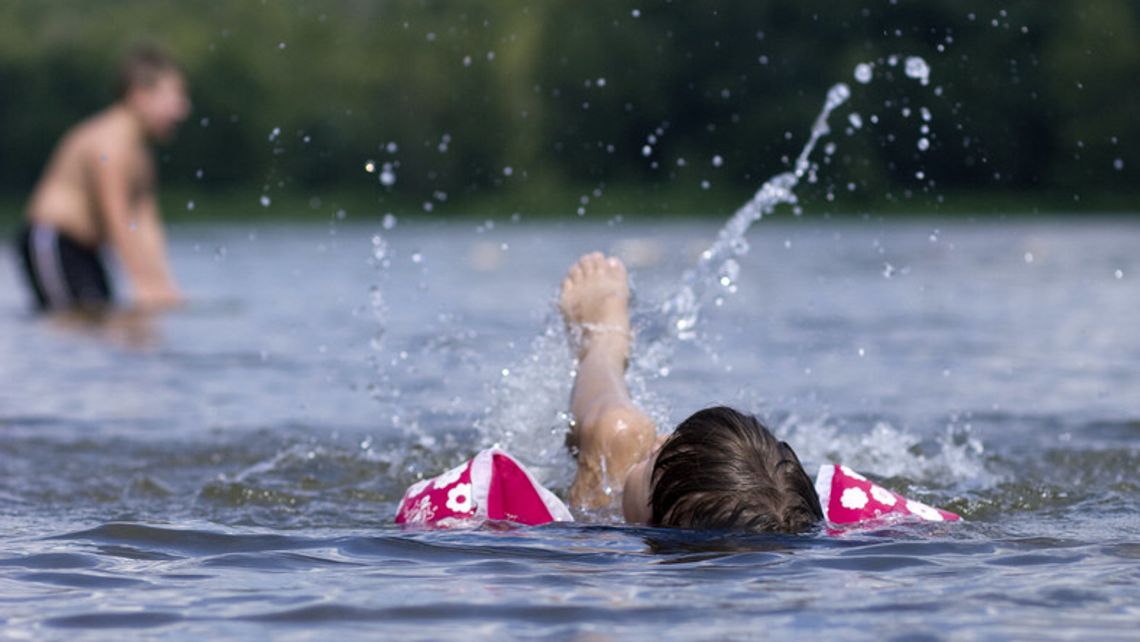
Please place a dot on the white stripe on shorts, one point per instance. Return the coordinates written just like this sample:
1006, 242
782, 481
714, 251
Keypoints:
49, 267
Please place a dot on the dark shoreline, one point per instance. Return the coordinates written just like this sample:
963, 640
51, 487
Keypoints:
322, 206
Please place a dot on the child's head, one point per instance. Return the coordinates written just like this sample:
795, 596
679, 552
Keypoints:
153, 86
721, 469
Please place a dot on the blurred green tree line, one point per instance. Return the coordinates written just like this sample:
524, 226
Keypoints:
462, 99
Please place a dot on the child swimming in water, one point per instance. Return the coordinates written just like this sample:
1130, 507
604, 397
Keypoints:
719, 469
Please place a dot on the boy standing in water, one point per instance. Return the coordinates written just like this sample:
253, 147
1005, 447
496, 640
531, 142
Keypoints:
719, 468
99, 189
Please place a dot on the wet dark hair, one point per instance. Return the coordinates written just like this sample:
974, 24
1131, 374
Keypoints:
722, 469
141, 66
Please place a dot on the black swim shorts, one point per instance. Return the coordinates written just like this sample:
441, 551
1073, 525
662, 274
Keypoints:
61, 272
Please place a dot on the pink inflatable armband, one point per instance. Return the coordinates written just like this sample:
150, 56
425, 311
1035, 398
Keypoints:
850, 498
490, 486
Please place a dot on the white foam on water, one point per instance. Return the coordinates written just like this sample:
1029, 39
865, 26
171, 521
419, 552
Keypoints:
953, 458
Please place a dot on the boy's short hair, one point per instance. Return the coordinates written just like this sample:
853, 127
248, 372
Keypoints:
141, 66
722, 469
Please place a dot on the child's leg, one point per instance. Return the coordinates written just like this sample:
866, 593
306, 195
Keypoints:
611, 433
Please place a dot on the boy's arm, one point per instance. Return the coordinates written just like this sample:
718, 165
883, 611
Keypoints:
135, 233
612, 434
161, 290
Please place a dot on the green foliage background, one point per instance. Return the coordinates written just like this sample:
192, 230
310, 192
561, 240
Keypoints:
1035, 99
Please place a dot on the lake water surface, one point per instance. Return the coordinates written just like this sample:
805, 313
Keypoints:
231, 470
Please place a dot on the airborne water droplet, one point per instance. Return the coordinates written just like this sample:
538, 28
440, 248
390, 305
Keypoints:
836, 96
387, 176
863, 73
918, 69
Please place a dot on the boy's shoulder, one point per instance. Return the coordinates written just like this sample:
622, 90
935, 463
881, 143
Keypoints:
104, 133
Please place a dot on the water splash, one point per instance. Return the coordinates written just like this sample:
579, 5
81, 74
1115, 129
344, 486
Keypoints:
380, 262
678, 317
529, 414
680, 313
952, 458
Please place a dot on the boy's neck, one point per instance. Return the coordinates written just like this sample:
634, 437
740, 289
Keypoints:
123, 111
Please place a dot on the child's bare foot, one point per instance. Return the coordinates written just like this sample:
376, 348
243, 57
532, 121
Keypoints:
595, 302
